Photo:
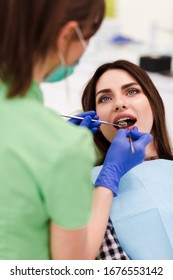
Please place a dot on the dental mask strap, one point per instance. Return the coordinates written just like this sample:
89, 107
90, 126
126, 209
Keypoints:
64, 70
81, 38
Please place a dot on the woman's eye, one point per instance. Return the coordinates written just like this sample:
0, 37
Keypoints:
132, 91
104, 99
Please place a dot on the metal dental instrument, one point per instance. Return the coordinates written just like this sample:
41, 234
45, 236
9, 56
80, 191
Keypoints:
102, 122
131, 144
81, 118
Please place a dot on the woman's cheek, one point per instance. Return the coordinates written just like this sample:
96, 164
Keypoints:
108, 132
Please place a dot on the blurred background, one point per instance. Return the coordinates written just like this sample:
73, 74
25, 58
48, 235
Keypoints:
131, 29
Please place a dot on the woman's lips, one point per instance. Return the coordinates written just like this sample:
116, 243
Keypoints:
124, 121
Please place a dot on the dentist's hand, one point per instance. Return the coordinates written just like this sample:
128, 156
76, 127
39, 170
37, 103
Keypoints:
119, 158
87, 121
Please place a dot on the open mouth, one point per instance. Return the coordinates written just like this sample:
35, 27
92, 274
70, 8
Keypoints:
125, 122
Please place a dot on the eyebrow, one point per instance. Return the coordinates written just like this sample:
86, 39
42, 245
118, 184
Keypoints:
129, 85
108, 90
104, 90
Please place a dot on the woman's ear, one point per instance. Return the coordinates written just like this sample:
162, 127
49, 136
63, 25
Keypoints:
66, 34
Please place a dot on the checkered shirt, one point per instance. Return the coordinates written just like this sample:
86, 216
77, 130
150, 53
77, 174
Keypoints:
110, 248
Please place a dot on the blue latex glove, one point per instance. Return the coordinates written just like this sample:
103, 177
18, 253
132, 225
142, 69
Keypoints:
119, 158
87, 121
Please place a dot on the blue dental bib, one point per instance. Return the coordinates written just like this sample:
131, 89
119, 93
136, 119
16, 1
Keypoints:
142, 213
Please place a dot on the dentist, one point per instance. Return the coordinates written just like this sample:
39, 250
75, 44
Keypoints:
48, 209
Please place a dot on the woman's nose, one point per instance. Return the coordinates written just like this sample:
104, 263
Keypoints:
120, 106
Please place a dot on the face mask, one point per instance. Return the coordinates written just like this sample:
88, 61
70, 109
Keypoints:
60, 73
63, 71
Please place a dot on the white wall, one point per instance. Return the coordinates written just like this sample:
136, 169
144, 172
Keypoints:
139, 18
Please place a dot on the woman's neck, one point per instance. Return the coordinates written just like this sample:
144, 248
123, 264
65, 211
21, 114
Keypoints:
151, 151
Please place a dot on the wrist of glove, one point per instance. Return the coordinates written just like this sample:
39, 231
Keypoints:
108, 178
120, 159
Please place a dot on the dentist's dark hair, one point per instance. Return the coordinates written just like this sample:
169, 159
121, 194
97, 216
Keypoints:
29, 29
159, 130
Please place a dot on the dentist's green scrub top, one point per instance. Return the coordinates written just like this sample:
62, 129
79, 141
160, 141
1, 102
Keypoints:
45, 166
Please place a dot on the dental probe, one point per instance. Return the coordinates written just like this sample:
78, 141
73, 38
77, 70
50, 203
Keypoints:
102, 122
81, 118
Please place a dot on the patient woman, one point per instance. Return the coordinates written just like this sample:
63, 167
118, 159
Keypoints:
122, 93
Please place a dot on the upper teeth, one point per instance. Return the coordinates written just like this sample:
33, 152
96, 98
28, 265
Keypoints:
123, 119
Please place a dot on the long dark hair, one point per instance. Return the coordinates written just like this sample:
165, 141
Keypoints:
159, 129
28, 31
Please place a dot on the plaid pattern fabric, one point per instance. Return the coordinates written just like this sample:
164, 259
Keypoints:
110, 248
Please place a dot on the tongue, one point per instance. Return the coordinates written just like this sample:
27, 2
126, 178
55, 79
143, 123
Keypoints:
122, 124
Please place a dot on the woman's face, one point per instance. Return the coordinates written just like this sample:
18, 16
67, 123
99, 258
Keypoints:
120, 100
